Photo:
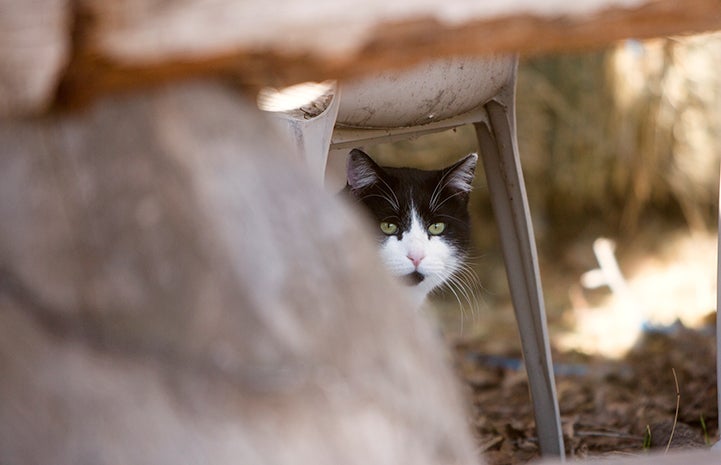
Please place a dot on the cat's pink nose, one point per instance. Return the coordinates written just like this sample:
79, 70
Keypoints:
416, 258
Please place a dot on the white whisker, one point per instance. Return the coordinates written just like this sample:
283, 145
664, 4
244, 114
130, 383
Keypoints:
435, 207
449, 286
462, 287
392, 192
384, 197
465, 279
437, 192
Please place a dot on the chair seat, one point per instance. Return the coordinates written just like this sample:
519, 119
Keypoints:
429, 92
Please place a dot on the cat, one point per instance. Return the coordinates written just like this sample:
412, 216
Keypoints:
423, 226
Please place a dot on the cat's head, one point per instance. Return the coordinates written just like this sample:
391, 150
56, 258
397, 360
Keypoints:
421, 217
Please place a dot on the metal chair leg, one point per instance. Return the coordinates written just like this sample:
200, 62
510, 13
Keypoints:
497, 140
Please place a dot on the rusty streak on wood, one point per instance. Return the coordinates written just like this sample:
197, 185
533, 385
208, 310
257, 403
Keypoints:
392, 45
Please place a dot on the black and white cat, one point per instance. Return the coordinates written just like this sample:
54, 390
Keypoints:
422, 217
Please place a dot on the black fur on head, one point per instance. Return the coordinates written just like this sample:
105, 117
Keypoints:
437, 196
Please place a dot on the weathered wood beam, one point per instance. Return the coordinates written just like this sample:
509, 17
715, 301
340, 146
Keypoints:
121, 45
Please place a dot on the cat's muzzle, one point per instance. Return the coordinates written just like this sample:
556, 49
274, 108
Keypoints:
413, 279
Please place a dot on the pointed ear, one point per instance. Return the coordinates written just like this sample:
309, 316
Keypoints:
460, 175
361, 170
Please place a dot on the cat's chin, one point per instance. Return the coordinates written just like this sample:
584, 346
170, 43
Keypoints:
420, 286
418, 296
413, 279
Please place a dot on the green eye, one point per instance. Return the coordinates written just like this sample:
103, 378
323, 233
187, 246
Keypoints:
388, 228
437, 228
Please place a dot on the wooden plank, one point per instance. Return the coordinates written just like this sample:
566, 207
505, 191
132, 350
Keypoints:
122, 45
141, 32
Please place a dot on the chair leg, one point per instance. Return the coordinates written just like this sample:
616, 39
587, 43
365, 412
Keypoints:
718, 302
311, 137
497, 140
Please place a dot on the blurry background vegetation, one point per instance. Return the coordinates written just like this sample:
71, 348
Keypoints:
621, 143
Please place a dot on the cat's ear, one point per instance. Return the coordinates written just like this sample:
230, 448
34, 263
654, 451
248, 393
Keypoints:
460, 175
361, 172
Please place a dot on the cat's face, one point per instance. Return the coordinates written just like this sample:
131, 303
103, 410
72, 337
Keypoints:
421, 217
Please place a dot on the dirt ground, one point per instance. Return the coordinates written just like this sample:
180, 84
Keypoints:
620, 404
607, 406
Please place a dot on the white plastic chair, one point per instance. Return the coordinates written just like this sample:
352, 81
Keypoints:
432, 97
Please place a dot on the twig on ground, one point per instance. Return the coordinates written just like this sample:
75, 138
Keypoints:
675, 417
